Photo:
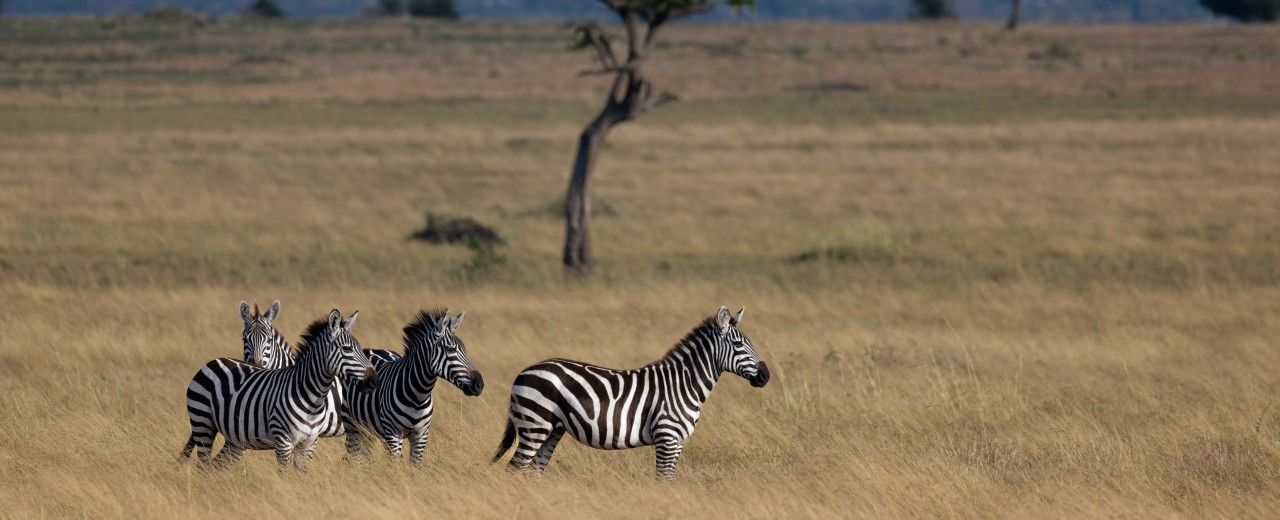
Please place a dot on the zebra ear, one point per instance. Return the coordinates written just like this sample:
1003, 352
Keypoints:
335, 322
244, 312
273, 311
723, 319
737, 318
351, 321
442, 326
457, 321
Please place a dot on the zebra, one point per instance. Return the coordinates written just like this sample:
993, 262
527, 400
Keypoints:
657, 405
281, 409
402, 405
266, 347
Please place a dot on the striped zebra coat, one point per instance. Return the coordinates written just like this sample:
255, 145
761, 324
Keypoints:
402, 405
265, 347
281, 409
657, 405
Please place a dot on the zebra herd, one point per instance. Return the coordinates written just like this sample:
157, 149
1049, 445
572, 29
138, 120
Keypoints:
284, 398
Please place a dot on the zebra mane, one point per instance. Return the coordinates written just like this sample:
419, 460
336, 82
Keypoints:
709, 323
312, 335
290, 349
425, 323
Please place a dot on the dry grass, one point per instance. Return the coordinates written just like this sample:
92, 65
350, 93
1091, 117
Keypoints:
92, 63
1059, 303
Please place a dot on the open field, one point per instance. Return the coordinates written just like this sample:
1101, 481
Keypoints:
1004, 282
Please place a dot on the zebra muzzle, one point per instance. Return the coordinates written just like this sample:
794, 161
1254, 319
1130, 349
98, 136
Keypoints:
476, 386
762, 376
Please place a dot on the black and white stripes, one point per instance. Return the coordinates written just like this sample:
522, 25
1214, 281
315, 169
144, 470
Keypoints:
657, 405
265, 347
402, 405
281, 409
282, 399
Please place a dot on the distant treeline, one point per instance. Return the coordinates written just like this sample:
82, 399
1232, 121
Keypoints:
1077, 11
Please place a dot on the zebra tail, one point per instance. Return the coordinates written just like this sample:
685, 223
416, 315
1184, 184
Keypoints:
508, 438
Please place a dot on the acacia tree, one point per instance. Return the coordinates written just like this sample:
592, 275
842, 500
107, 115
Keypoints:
631, 95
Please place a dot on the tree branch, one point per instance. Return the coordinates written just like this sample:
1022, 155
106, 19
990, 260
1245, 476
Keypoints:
588, 34
664, 98
634, 49
654, 23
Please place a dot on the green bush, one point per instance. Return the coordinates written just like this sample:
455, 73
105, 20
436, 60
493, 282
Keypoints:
266, 9
932, 9
1245, 10
433, 9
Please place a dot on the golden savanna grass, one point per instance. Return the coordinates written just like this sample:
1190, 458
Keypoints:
995, 275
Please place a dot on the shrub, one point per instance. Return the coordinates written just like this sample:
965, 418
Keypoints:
451, 230
390, 7
850, 254
433, 9
1245, 10
483, 260
266, 9
932, 9
169, 13
1056, 51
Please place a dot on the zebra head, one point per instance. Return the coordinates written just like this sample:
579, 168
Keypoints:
446, 354
259, 335
735, 352
351, 361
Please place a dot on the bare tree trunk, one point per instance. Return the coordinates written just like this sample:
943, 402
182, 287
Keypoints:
1013, 15
631, 95
577, 203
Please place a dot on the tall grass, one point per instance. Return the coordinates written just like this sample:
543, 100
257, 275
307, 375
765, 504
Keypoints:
974, 304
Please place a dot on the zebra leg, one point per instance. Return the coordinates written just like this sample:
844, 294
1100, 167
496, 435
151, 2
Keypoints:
186, 450
668, 449
548, 447
229, 454
201, 439
531, 440
202, 450
394, 443
356, 445
417, 445
308, 448
284, 452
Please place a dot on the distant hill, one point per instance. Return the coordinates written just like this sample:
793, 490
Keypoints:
1072, 11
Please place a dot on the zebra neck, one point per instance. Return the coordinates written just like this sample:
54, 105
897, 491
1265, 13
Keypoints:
690, 367
284, 354
315, 374
417, 380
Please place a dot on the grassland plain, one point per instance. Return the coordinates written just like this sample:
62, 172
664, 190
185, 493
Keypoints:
995, 275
